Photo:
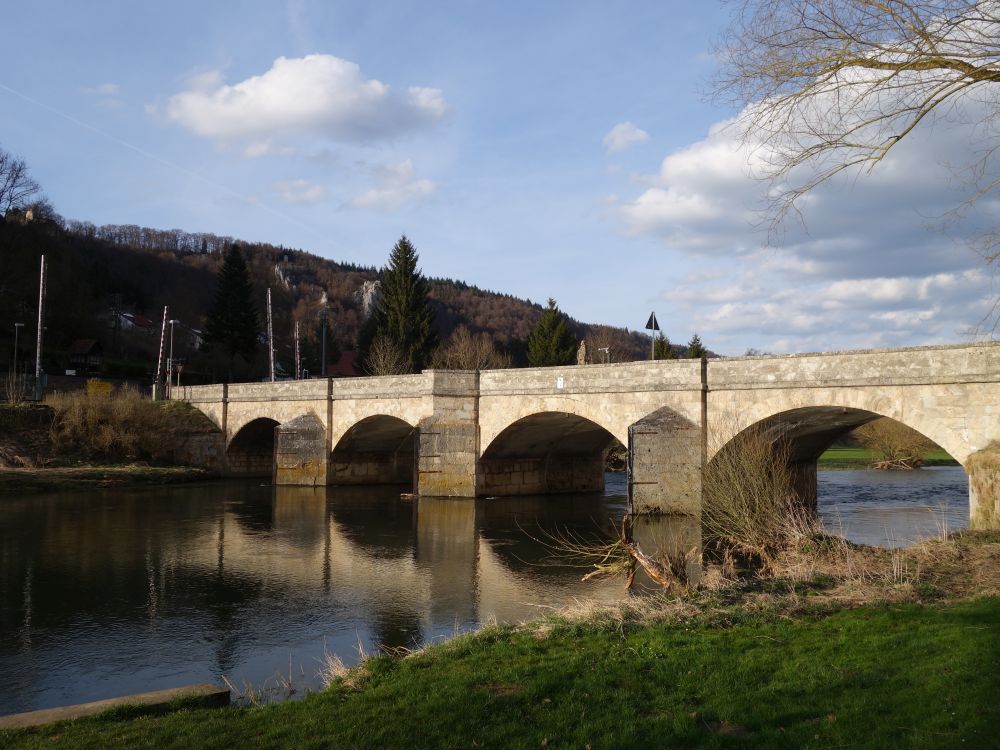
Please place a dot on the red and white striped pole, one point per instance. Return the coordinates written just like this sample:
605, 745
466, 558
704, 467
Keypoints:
159, 358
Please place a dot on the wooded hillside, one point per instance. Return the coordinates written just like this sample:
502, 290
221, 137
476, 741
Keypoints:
95, 270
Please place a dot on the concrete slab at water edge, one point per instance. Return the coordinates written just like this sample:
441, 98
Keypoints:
204, 694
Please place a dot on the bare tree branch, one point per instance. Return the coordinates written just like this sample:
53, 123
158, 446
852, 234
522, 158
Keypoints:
828, 86
16, 185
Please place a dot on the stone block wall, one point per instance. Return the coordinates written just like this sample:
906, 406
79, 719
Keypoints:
665, 463
300, 456
541, 476
448, 442
371, 468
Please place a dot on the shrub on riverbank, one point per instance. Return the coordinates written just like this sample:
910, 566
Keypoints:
748, 509
896, 445
122, 426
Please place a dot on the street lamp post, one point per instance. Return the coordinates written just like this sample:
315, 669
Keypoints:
170, 360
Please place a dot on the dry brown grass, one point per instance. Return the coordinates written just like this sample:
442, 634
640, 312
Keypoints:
814, 576
15, 387
749, 510
122, 426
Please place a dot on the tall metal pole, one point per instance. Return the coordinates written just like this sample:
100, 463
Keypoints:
270, 336
41, 329
170, 361
159, 357
298, 361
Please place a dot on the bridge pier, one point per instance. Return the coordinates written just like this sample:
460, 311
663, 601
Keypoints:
448, 440
804, 482
665, 454
983, 468
300, 457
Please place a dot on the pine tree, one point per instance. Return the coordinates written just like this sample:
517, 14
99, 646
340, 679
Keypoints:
662, 348
403, 318
695, 348
232, 322
551, 343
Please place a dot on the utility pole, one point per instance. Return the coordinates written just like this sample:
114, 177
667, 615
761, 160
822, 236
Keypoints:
41, 329
270, 336
170, 361
298, 361
159, 357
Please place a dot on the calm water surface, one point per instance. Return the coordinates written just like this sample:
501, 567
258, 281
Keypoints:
120, 591
894, 508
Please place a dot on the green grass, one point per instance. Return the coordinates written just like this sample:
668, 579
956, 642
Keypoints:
858, 458
903, 676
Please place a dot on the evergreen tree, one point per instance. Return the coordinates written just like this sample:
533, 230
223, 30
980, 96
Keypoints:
551, 343
662, 349
232, 322
403, 317
695, 348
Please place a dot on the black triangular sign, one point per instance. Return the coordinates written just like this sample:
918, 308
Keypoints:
651, 324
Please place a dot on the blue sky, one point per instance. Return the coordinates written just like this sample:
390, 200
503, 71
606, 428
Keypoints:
563, 149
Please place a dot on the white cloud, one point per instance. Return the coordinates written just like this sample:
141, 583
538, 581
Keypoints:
622, 136
868, 265
397, 187
320, 95
299, 192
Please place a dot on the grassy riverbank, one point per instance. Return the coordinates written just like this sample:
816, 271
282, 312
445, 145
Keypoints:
842, 457
899, 650
76, 441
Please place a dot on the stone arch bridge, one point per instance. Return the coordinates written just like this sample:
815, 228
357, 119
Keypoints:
546, 430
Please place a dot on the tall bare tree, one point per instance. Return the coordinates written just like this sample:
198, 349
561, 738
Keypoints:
385, 357
834, 85
468, 351
17, 187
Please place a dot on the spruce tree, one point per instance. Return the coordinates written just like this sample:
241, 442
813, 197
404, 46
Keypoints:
402, 317
551, 343
695, 348
662, 348
232, 323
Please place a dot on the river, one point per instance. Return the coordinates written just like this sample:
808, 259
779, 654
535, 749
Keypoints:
104, 593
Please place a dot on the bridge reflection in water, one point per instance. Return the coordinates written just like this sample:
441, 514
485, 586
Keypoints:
118, 591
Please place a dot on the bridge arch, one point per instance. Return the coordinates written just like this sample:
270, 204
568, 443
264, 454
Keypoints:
546, 452
496, 415
807, 431
379, 449
250, 451
814, 408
